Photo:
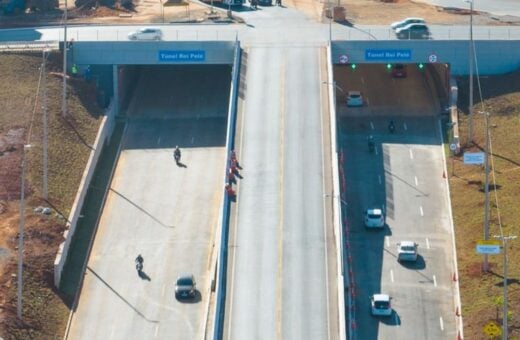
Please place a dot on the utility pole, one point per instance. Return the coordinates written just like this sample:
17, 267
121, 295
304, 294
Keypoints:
504, 311
21, 227
485, 266
470, 62
64, 98
45, 129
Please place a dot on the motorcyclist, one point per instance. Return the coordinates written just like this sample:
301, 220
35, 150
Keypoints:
371, 144
177, 154
391, 126
139, 263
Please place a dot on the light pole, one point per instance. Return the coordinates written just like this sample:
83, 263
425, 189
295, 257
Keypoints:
504, 307
64, 98
45, 129
485, 265
20, 238
470, 63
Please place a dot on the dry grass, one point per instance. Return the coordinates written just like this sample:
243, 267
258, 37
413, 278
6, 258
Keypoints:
480, 291
45, 312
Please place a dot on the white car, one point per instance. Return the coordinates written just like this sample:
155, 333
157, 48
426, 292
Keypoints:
354, 99
380, 305
407, 21
146, 33
374, 218
413, 31
407, 251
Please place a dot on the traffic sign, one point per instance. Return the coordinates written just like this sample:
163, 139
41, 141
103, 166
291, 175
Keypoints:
491, 329
488, 247
453, 146
343, 59
432, 58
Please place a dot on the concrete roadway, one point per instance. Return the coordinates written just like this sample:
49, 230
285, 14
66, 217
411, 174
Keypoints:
167, 213
281, 272
405, 175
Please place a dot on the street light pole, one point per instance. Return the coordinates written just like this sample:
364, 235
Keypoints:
504, 306
485, 266
470, 63
45, 129
20, 238
64, 98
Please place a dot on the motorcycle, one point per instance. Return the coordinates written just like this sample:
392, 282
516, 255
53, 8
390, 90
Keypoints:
139, 266
177, 155
371, 144
391, 127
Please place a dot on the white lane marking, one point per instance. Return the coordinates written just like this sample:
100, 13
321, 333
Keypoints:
405, 126
156, 331
112, 332
416, 181
442, 323
159, 141
372, 125
434, 281
163, 290
379, 178
422, 212
411, 153
192, 140
387, 239
375, 151
427, 244
391, 275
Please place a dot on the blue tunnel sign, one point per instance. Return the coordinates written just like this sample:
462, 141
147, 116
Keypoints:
182, 56
388, 55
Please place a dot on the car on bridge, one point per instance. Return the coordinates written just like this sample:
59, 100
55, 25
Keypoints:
374, 218
413, 31
146, 33
185, 286
407, 21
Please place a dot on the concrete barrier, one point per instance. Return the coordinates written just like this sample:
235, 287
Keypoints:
105, 131
220, 295
338, 230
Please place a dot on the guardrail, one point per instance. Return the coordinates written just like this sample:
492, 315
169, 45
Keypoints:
220, 296
28, 45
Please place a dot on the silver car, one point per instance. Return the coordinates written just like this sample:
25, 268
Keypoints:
407, 21
146, 33
380, 305
413, 31
407, 251
354, 99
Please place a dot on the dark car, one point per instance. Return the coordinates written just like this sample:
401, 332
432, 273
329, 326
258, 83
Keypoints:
185, 286
413, 31
399, 71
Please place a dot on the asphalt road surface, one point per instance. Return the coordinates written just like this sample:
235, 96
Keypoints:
281, 273
405, 174
165, 212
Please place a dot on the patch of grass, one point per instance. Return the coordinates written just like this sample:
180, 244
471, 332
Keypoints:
45, 312
479, 290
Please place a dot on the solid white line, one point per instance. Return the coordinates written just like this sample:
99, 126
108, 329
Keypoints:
422, 212
391, 275
387, 239
416, 181
427, 243
156, 331
372, 125
405, 126
442, 323
434, 281
411, 153
379, 178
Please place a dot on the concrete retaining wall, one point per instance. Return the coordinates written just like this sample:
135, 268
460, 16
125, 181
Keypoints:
105, 131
